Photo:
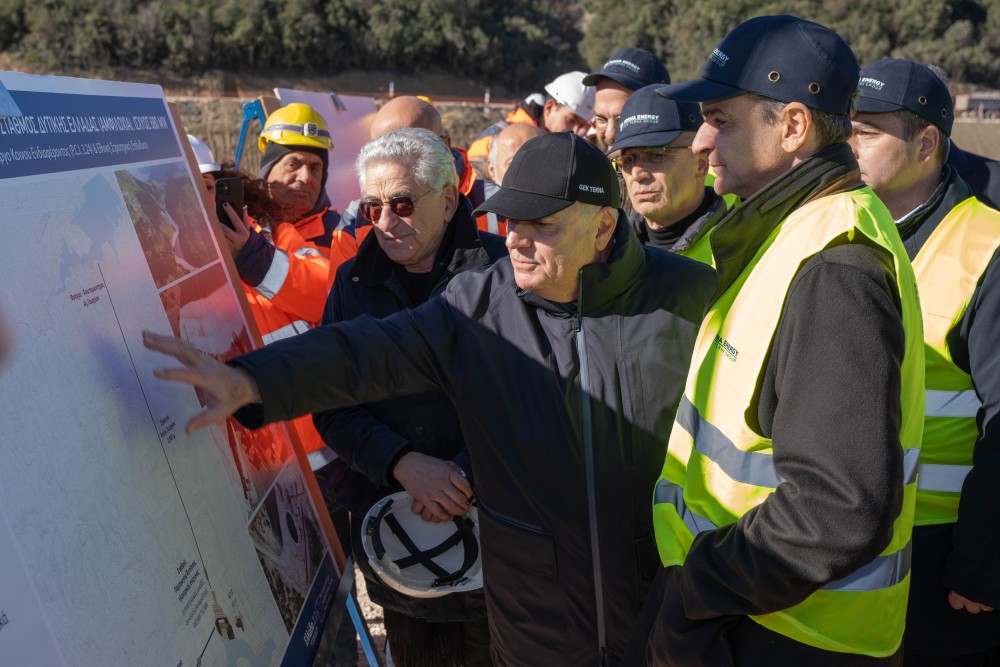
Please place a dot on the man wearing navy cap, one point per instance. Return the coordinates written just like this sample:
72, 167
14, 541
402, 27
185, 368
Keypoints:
784, 509
563, 414
624, 73
901, 139
664, 179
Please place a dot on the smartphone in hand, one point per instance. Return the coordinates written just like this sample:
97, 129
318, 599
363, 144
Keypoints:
228, 190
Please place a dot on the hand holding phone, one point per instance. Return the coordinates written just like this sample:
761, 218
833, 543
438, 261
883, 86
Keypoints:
228, 190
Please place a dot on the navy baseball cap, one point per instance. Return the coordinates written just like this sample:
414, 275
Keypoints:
782, 57
550, 172
632, 68
892, 84
650, 120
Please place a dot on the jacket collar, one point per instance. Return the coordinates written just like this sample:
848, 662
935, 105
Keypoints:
739, 235
917, 225
706, 221
460, 250
311, 226
601, 282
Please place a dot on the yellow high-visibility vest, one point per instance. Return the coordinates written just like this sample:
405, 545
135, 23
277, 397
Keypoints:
717, 467
948, 268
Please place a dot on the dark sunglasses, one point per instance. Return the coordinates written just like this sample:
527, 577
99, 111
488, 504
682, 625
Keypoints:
401, 205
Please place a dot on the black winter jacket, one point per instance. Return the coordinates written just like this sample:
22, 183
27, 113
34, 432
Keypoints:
565, 409
369, 438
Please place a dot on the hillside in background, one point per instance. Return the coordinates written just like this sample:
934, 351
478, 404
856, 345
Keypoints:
512, 47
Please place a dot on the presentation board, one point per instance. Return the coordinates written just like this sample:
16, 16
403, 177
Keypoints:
123, 541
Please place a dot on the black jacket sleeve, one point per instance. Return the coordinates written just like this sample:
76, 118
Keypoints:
348, 363
830, 401
365, 442
973, 568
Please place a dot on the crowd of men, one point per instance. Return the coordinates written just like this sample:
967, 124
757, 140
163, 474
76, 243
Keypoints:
725, 394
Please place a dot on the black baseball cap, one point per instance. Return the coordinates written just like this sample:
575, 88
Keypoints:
632, 68
549, 173
650, 120
782, 57
892, 84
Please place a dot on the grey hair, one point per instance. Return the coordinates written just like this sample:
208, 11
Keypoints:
424, 155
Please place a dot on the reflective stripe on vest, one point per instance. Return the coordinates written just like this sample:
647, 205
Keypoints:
751, 467
952, 403
492, 225
725, 466
880, 572
942, 478
949, 267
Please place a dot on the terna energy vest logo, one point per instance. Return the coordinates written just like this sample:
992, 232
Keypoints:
725, 347
869, 82
719, 58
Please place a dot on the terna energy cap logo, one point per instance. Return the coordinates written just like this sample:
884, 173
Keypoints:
624, 64
869, 82
639, 118
719, 58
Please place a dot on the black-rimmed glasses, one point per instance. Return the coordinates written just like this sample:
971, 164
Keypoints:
649, 158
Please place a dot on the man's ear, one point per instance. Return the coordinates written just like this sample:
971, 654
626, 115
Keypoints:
607, 220
450, 195
795, 120
702, 165
490, 171
930, 138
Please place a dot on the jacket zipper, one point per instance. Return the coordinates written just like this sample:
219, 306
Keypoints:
503, 518
588, 452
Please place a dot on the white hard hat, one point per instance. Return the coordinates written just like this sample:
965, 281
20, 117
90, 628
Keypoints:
568, 89
420, 558
203, 154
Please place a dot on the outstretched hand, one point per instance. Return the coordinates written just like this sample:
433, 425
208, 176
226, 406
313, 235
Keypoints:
226, 388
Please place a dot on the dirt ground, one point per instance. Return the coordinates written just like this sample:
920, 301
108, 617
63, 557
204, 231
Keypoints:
373, 616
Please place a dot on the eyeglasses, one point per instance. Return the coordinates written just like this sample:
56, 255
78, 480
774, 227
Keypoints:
600, 123
648, 158
401, 205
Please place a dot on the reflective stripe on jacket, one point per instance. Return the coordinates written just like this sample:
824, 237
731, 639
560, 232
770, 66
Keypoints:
291, 297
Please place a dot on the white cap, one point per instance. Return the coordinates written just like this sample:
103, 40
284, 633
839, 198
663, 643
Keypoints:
203, 154
568, 89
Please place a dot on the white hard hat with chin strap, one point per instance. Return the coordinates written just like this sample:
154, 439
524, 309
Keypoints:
420, 558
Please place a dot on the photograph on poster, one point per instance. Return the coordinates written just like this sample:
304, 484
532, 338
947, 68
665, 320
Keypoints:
168, 219
286, 534
258, 456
